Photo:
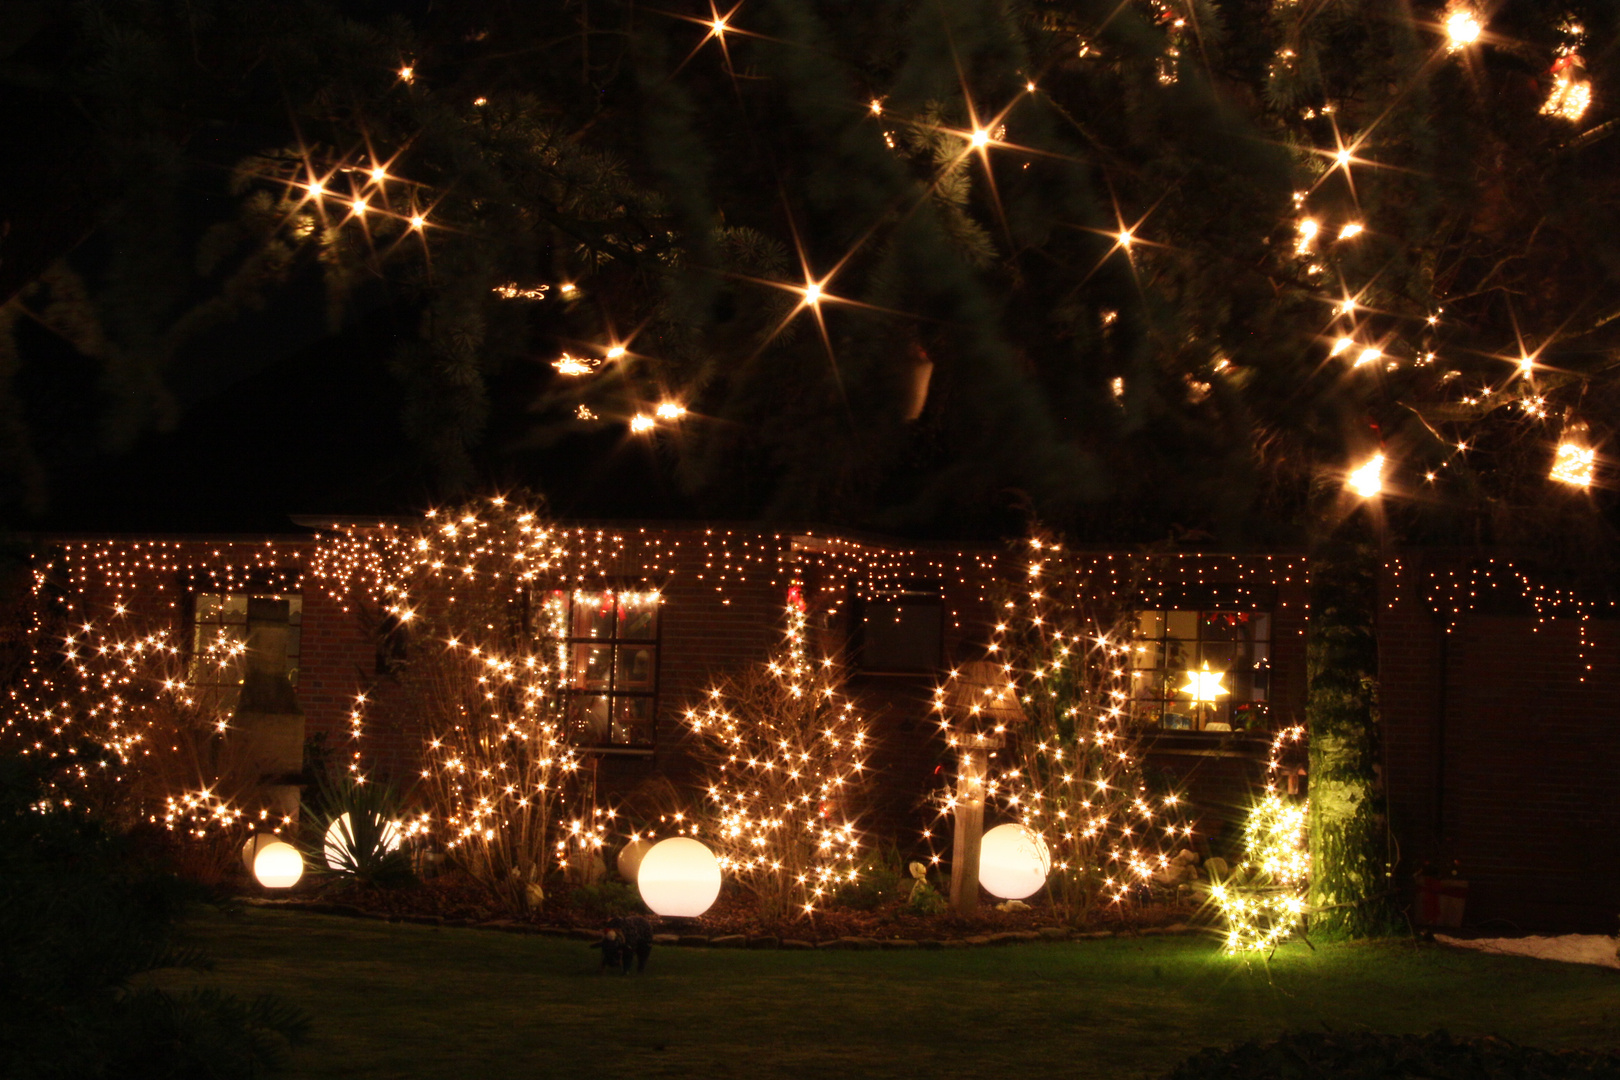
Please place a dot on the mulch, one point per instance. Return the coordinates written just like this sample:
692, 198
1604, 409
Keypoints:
453, 899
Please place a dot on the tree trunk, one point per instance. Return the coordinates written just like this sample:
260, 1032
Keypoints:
1350, 873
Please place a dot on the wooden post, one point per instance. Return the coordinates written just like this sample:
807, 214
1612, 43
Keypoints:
968, 830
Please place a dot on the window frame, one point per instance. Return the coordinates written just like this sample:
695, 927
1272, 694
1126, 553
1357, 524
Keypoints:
920, 594
194, 622
1250, 688
570, 645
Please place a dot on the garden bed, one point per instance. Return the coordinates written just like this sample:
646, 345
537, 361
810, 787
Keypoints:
734, 921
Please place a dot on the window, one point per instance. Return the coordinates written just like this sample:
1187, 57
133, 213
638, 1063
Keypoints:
1174, 649
904, 632
609, 648
226, 627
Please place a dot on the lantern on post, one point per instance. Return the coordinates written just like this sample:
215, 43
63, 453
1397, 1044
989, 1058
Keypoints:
985, 700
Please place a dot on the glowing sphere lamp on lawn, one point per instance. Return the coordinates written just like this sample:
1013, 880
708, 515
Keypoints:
679, 877
630, 856
278, 865
340, 841
255, 844
1013, 862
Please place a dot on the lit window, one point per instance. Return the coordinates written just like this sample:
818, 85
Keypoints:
227, 627
609, 647
1201, 670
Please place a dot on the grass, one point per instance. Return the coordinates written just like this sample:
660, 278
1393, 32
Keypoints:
396, 1000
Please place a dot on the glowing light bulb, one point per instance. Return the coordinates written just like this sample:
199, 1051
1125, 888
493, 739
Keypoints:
1527, 364
1342, 158
615, 353
1462, 29
670, 410
877, 107
417, 221
1341, 345
1368, 355
379, 174
812, 294
316, 188
407, 74
1352, 229
980, 138
1125, 238
1367, 479
641, 423
718, 27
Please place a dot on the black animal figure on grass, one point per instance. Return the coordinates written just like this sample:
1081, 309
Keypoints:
625, 939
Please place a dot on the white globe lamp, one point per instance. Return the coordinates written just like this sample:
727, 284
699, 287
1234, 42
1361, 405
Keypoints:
630, 856
278, 865
340, 836
255, 843
678, 877
1013, 862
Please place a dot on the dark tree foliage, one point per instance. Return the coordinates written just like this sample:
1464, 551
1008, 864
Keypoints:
85, 917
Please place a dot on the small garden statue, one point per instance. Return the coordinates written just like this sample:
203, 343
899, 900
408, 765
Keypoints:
626, 938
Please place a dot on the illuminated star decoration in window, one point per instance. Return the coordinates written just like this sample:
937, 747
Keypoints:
1204, 687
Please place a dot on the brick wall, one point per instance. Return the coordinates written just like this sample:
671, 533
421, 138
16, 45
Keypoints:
1496, 753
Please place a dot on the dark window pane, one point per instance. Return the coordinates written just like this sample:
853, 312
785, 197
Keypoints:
633, 721
594, 615
588, 719
635, 668
638, 617
591, 667
903, 637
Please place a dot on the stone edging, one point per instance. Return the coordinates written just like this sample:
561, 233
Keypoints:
736, 941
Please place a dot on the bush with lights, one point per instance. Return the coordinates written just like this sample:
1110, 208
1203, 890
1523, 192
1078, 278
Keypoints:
1072, 774
125, 723
476, 594
785, 757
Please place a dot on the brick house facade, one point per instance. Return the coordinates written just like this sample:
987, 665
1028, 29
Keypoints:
1499, 758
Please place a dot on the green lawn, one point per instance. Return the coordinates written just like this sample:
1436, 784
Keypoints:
414, 1001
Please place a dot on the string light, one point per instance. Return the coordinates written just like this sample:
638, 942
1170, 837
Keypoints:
1573, 464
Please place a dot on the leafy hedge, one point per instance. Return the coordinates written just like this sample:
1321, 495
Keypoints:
1365, 1056
83, 916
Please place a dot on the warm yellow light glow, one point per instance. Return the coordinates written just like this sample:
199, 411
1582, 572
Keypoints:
617, 352
718, 27
678, 877
1341, 344
641, 423
812, 294
1570, 97
1462, 29
1013, 862
1308, 228
670, 410
1368, 355
1342, 158
1204, 686
379, 174
573, 365
1367, 479
407, 74
278, 865
417, 221
1350, 230
316, 188
1527, 364
1125, 238
1573, 464
876, 106
980, 138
